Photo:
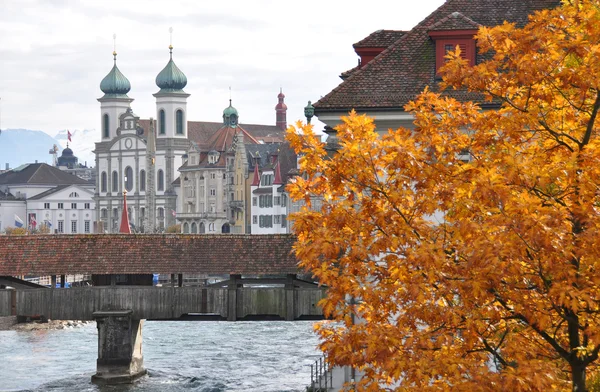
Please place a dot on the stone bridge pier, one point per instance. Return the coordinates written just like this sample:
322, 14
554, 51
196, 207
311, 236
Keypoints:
120, 358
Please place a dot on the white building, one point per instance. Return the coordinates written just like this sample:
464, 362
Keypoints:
127, 159
40, 194
271, 169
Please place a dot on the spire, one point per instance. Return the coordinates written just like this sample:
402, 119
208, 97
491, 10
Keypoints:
281, 111
125, 217
277, 180
256, 179
171, 79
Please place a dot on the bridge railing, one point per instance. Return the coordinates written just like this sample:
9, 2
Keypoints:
6, 302
168, 302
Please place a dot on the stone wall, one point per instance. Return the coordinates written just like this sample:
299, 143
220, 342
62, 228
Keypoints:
7, 322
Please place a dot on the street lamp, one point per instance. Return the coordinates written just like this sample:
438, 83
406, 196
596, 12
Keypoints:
309, 112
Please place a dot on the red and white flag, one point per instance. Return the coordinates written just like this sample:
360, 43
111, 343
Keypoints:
173, 213
69, 135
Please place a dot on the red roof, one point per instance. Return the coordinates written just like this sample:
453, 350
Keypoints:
147, 253
380, 39
406, 67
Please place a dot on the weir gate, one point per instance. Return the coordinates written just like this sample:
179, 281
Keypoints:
262, 284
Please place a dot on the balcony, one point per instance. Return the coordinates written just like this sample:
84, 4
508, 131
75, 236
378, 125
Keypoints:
201, 215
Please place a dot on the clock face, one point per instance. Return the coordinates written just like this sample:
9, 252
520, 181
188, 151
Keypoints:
128, 143
233, 120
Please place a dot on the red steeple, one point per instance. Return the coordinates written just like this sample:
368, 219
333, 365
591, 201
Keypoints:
256, 179
277, 180
280, 112
125, 217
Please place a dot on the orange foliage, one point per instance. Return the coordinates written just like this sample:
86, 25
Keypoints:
468, 276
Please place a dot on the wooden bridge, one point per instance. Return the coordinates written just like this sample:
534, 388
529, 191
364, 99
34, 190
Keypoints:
249, 261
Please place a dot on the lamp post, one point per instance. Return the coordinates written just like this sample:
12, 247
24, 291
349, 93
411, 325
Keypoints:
309, 112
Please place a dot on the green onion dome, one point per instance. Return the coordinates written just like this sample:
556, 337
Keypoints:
228, 111
115, 84
171, 79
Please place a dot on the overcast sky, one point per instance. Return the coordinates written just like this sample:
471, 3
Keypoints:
54, 53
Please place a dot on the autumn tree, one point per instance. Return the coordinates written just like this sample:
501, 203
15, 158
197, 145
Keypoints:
464, 254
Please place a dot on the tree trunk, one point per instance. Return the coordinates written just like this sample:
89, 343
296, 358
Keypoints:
578, 377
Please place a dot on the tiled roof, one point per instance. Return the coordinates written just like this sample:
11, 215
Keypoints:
200, 132
39, 174
286, 156
405, 68
455, 21
147, 253
380, 39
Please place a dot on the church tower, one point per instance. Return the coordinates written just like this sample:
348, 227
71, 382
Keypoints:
115, 101
171, 101
281, 112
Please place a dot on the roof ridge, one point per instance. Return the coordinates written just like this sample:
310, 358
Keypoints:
377, 58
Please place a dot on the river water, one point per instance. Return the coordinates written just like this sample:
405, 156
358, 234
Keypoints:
207, 356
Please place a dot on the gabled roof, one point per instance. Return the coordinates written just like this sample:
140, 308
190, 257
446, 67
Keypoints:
286, 157
39, 174
380, 39
406, 67
201, 132
53, 191
455, 21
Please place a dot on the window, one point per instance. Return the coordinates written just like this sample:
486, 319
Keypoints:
254, 201
213, 192
267, 179
224, 177
115, 213
161, 180
161, 212
446, 41
46, 206
265, 201
213, 175
104, 213
277, 200
128, 178
74, 194
277, 219
103, 182
61, 206
186, 228
86, 226
284, 200
115, 182
265, 221
142, 180
283, 220
61, 226
73, 227
179, 122
86, 206
73, 206
254, 219
161, 122
194, 228
105, 126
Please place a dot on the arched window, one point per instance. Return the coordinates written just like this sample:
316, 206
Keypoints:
161, 122
179, 122
142, 180
103, 182
128, 178
106, 125
225, 228
115, 182
104, 213
194, 228
202, 229
186, 228
74, 194
161, 180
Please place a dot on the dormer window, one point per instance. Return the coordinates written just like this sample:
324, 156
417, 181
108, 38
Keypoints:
213, 157
447, 41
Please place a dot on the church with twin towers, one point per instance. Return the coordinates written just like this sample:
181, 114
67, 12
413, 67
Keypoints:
147, 160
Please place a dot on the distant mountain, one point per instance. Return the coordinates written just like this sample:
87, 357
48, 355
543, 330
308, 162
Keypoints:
20, 146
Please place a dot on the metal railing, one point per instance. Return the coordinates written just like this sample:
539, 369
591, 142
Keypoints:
321, 376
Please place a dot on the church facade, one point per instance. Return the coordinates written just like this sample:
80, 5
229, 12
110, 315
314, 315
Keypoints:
150, 159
